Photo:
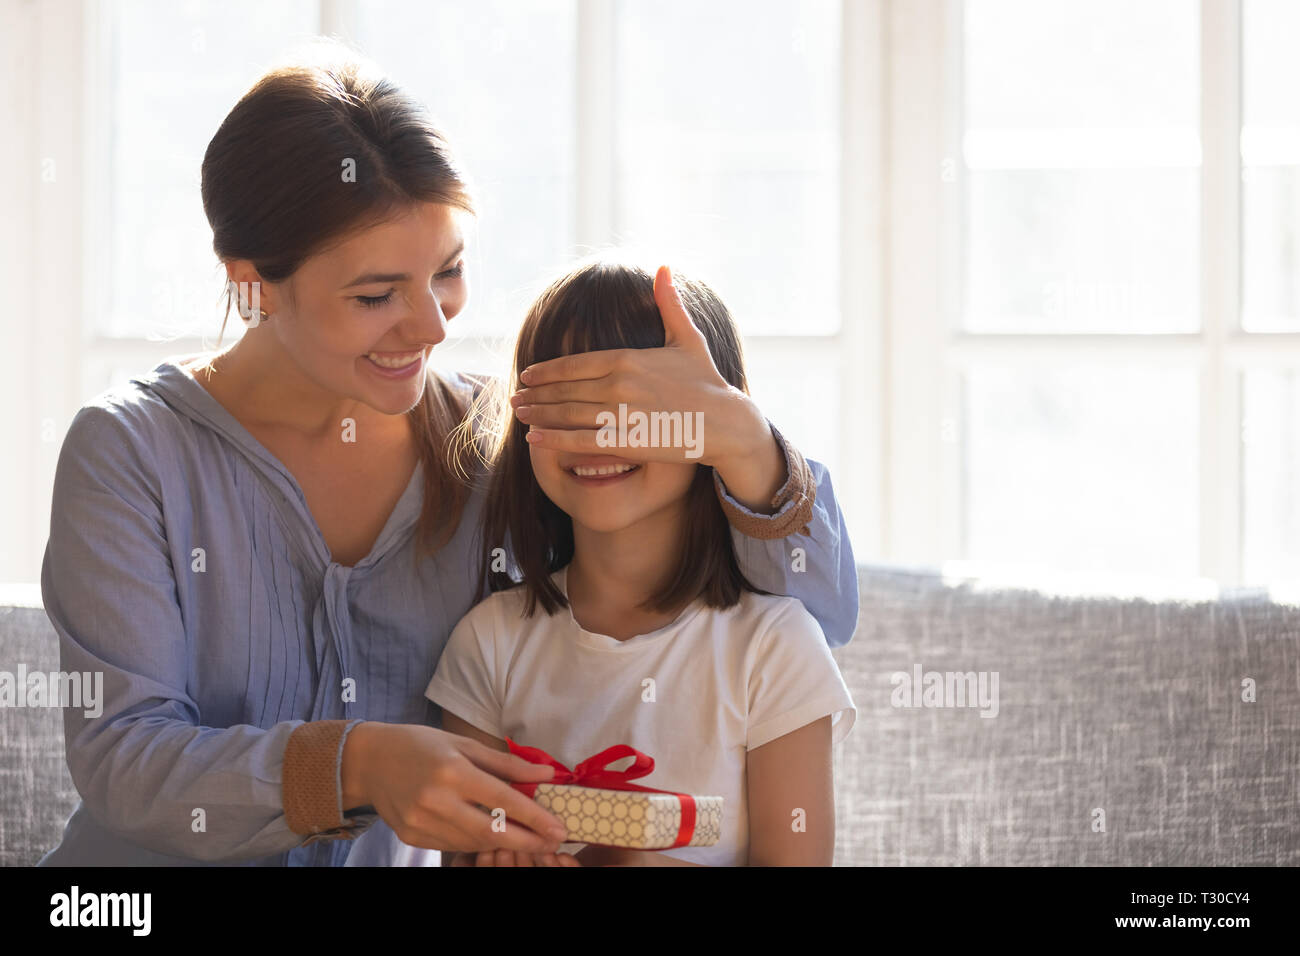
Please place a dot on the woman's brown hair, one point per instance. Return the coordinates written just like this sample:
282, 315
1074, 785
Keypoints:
601, 304
275, 193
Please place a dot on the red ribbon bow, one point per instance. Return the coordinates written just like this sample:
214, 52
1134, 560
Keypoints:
595, 772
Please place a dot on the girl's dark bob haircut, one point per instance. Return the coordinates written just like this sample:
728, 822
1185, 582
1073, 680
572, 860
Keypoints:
601, 304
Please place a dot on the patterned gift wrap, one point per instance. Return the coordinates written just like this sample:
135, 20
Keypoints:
627, 818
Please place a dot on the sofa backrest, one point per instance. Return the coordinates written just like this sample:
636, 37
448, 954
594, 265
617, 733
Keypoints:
1122, 714
36, 791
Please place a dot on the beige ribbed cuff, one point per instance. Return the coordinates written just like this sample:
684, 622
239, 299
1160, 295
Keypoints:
799, 487
310, 784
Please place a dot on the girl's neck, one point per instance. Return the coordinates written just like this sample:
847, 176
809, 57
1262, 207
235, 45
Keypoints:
614, 572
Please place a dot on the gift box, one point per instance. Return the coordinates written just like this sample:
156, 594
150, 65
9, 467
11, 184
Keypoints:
603, 807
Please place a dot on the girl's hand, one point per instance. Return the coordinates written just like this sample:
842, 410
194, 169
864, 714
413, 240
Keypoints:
562, 398
514, 858
429, 786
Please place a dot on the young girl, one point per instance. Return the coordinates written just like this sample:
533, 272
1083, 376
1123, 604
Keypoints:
630, 621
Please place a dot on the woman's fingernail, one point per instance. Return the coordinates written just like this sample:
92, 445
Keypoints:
523, 411
526, 375
533, 435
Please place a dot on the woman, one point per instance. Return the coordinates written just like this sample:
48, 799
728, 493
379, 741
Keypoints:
265, 549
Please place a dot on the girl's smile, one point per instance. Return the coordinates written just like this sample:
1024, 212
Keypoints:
600, 470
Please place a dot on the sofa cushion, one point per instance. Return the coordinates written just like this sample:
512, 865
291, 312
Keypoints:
1129, 707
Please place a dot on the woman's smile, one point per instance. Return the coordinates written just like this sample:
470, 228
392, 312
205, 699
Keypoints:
396, 364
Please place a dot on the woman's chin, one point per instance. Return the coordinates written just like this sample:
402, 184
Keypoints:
386, 404
392, 398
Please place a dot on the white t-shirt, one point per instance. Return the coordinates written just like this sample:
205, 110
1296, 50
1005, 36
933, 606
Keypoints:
724, 682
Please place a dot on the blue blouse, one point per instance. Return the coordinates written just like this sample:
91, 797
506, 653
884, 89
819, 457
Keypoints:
184, 565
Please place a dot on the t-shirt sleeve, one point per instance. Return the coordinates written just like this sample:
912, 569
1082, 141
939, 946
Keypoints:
793, 680
465, 681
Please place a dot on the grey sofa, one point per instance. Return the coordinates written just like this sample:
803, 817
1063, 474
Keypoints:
1121, 735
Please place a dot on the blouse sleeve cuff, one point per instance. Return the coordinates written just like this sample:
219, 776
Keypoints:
311, 786
793, 501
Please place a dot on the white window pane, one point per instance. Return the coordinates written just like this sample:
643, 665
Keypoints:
1082, 150
498, 77
174, 72
1104, 64
795, 397
1097, 250
727, 151
1270, 477
1270, 155
1083, 468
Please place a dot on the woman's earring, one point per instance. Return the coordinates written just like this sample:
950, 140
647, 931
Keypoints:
256, 320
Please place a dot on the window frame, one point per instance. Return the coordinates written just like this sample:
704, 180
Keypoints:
856, 350
925, 76
899, 474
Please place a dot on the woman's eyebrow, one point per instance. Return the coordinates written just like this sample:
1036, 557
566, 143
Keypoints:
376, 277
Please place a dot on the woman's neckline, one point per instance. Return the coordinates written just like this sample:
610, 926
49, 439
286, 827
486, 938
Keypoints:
236, 431
214, 409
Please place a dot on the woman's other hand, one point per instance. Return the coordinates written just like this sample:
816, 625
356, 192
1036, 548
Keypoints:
430, 786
